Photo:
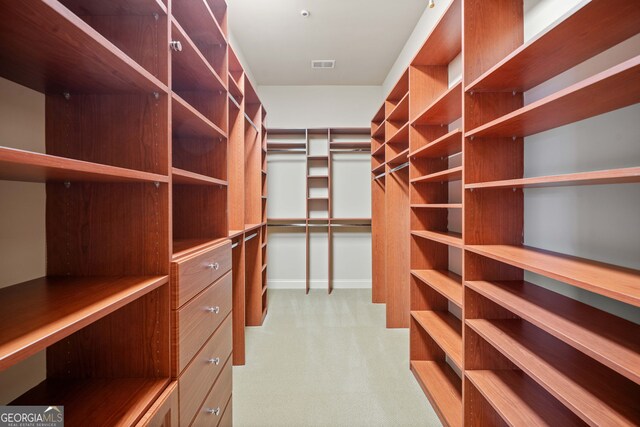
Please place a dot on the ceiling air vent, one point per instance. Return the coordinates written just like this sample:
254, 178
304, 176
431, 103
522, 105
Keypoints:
323, 63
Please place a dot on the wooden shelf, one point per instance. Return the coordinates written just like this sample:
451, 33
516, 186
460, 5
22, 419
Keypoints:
30, 325
350, 220
563, 45
401, 136
379, 131
189, 122
199, 21
608, 339
318, 158
445, 237
611, 176
180, 176
577, 102
121, 401
189, 68
519, 401
378, 169
65, 54
19, 165
453, 174
589, 389
117, 7
605, 279
443, 389
401, 111
234, 88
444, 110
317, 176
379, 150
437, 206
446, 331
184, 247
444, 42
401, 158
318, 198
446, 283
446, 145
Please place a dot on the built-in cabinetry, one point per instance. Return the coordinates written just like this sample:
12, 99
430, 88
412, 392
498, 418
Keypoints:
488, 347
144, 143
317, 148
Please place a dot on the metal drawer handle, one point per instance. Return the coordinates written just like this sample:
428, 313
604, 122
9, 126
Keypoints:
214, 361
215, 412
215, 309
213, 266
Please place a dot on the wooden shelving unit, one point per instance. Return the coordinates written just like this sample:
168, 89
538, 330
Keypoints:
487, 347
318, 147
155, 190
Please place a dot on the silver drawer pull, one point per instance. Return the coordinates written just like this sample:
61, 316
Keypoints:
213, 266
215, 412
214, 361
215, 309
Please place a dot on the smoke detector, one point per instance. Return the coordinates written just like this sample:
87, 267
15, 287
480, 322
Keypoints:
305, 13
323, 63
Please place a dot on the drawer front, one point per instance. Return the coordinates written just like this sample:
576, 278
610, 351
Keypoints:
164, 412
212, 410
201, 317
192, 274
197, 379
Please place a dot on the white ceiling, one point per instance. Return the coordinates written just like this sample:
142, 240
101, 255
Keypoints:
363, 36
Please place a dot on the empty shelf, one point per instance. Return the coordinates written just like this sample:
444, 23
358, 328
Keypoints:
611, 340
19, 165
401, 136
453, 174
446, 283
588, 388
189, 122
444, 42
445, 329
437, 206
181, 176
446, 145
399, 159
443, 388
605, 279
400, 113
445, 237
444, 110
29, 325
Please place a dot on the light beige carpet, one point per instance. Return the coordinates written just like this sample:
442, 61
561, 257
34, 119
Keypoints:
327, 360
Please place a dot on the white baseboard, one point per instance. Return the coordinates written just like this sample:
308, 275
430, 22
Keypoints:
319, 284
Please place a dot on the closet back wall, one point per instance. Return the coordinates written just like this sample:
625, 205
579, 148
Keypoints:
302, 107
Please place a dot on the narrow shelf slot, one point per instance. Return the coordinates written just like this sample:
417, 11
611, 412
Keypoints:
577, 102
96, 65
549, 54
446, 331
608, 339
401, 158
446, 283
19, 165
520, 401
612, 281
379, 150
401, 111
118, 401
181, 176
446, 145
378, 169
29, 325
444, 110
588, 388
189, 122
443, 389
199, 21
603, 177
401, 136
445, 237
453, 174
444, 42
437, 206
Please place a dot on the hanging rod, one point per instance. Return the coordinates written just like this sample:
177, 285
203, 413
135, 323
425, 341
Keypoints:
246, 239
286, 150
359, 150
253, 125
380, 176
286, 225
351, 225
234, 245
397, 168
234, 100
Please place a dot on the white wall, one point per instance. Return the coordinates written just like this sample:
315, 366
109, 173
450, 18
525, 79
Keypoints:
320, 106
22, 221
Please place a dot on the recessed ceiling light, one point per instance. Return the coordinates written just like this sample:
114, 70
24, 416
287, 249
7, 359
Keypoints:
305, 13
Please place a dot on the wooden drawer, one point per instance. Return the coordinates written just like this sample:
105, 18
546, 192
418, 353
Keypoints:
198, 319
227, 417
197, 379
164, 412
212, 410
191, 274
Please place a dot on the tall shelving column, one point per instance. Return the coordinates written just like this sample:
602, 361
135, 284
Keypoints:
107, 206
436, 212
397, 204
533, 356
378, 221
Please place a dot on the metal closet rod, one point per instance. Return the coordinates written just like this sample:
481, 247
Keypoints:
234, 245
351, 225
359, 150
246, 239
245, 114
286, 150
